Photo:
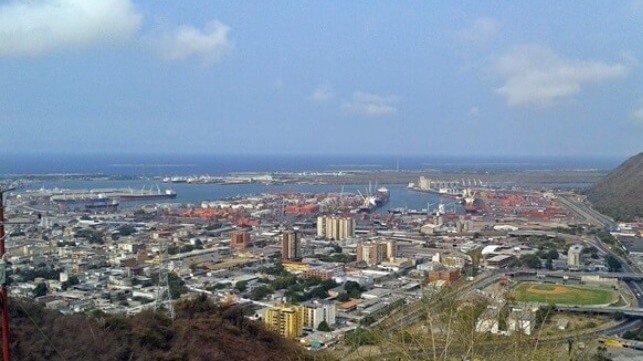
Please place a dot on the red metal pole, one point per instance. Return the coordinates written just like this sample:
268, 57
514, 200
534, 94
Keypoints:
4, 297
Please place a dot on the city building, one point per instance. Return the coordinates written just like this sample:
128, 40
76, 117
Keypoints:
448, 276
375, 252
314, 312
521, 320
239, 240
286, 321
290, 245
335, 228
574, 256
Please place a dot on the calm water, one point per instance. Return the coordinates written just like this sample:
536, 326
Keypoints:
165, 165
196, 193
142, 166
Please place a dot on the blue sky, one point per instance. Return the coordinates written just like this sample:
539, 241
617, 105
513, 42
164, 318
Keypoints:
326, 77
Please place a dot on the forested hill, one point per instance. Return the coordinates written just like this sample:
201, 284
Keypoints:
620, 193
201, 331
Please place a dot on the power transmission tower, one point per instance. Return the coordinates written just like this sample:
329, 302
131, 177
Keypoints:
4, 296
163, 294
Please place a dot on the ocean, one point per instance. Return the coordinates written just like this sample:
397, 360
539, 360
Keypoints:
167, 165
143, 171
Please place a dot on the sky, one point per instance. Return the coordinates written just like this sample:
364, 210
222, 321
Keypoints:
537, 78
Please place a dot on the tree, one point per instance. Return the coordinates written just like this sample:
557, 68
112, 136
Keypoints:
343, 297
544, 312
530, 261
549, 264
317, 292
71, 281
619, 316
553, 253
323, 327
126, 230
260, 292
241, 286
353, 289
613, 265
40, 290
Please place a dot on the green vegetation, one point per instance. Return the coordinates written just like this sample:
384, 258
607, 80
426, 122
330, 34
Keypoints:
323, 327
560, 294
200, 331
634, 334
91, 235
126, 230
241, 286
353, 289
337, 258
613, 265
71, 281
618, 194
40, 272
530, 261
40, 290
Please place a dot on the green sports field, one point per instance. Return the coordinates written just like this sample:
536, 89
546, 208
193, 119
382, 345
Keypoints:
561, 295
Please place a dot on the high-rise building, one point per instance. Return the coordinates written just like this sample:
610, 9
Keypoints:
391, 249
239, 239
574, 256
321, 226
314, 312
335, 228
287, 321
374, 252
290, 247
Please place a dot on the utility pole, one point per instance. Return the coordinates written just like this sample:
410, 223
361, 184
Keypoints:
4, 296
163, 292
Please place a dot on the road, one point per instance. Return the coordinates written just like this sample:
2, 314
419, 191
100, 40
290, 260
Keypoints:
589, 214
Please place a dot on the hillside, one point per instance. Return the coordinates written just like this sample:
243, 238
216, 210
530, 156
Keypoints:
201, 331
620, 193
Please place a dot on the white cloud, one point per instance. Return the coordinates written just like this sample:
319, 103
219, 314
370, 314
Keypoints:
322, 94
371, 104
537, 76
209, 44
638, 116
473, 112
31, 28
483, 31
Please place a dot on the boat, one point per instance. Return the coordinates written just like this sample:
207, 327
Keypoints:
143, 195
120, 195
84, 202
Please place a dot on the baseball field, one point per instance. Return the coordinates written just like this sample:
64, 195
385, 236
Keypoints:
561, 294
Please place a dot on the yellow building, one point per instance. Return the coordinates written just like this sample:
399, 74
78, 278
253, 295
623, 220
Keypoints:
287, 321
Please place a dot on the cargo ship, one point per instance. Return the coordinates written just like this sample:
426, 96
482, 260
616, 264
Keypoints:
85, 202
119, 195
370, 202
443, 188
142, 195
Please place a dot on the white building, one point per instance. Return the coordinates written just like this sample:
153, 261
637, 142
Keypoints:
574, 256
521, 320
317, 311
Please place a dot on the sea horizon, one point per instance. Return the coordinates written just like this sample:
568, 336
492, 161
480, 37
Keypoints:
146, 165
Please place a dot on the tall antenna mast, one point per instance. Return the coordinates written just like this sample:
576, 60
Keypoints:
163, 294
4, 296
